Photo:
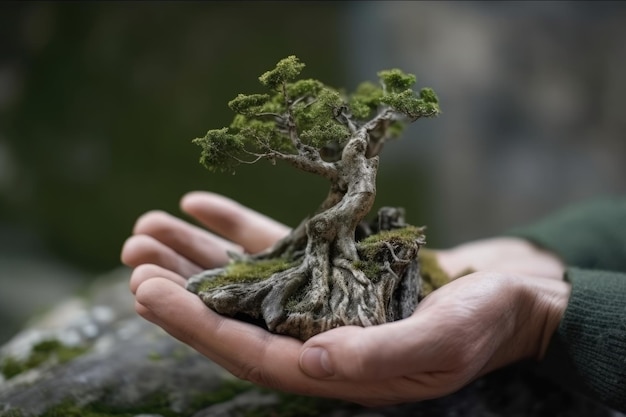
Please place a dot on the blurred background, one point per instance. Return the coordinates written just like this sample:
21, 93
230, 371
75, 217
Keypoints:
99, 102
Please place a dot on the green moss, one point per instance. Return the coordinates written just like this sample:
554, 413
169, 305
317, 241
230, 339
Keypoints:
294, 300
292, 405
227, 391
44, 351
371, 269
157, 403
11, 367
69, 409
13, 413
370, 247
374, 246
433, 276
247, 272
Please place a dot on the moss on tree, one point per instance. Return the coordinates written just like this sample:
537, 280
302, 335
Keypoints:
319, 277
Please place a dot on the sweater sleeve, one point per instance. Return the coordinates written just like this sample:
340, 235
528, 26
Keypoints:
588, 350
590, 235
592, 335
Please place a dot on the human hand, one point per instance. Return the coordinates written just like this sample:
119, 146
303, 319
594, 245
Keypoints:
463, 330
503, 254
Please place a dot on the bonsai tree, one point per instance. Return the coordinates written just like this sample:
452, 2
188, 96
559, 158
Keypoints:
333, 269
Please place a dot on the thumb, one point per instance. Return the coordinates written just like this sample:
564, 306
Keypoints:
366, 354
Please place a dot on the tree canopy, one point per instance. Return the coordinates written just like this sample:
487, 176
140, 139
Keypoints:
298, 118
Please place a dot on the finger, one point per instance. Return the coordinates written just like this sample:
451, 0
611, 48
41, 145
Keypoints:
143, 249
237, 346
247, 351
251, 353
192, 242
451, 338
377, 353
145, 272
252, 230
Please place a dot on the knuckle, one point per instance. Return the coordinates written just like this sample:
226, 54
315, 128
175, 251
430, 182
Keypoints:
255, 375
142, 273
135, 250
358, 366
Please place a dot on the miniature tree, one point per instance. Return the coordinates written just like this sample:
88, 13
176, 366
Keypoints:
333, 269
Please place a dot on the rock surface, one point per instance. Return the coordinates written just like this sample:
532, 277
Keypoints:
102, 360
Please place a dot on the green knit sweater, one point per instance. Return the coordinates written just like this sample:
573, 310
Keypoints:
591, 338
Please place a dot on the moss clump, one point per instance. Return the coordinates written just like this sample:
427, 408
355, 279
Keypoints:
293, 405
44, 351
157, 403
371, 269
293, 303
372, 248
11, 367
227, 391
247, 272
433, 276
12, 413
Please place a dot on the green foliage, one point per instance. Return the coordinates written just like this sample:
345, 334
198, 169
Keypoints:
400, 96
308, 112
323, 134
286, 70
428, 95
219, 149
248, 104
302, 88
408, 103
316, 120
395, 80
365, 100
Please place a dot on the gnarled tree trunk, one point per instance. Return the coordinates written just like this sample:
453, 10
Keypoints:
327, 285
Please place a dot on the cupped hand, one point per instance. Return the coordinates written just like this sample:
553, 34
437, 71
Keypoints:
503, 254
465, 329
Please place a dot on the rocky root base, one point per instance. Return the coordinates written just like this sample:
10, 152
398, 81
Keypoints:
319, 290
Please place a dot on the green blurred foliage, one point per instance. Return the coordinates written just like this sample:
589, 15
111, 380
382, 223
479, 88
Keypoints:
110, 95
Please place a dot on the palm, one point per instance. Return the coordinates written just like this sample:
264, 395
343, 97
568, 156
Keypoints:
459, 332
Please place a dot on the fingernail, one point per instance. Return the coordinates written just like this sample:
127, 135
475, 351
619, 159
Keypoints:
315, 362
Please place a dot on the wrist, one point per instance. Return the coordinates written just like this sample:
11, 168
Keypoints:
546, 301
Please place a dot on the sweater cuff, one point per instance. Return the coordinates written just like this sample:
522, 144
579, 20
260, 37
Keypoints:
591, 337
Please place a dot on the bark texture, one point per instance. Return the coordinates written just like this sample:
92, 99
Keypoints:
334, 282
